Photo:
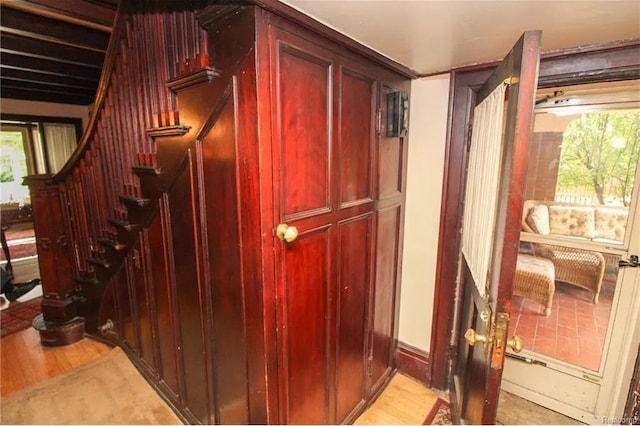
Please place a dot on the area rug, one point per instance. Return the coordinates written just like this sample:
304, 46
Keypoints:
19, 316
108, 390
440, 413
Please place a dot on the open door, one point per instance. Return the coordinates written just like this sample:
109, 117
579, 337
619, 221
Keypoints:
502, 127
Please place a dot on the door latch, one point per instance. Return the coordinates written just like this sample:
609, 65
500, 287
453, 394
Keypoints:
633, 262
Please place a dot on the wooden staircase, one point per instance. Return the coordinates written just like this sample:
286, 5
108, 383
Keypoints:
108, 191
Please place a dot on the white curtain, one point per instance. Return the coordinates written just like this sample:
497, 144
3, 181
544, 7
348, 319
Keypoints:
61, 141
482, 185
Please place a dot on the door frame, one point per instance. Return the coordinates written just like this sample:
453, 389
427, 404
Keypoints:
567, 67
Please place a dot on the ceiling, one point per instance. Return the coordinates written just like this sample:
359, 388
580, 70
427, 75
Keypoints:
53, 50
430, 36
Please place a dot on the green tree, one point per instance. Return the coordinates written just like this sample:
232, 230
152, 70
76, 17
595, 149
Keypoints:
600, 150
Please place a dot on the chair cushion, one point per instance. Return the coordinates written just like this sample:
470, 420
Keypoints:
572, 221
610, 223
538, 219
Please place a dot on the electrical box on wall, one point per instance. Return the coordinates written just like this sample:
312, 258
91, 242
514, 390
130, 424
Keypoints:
397, 114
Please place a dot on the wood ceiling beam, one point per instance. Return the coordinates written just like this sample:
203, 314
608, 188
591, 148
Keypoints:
51, 79
99, 16
11, 93
16, 22
47, 50
10, 60
43, 87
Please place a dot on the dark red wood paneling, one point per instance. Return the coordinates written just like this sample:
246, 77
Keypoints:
160, 254
303, 117
354, 265
355, 145
192, 367
223, 266
146, 306
387, 234
413, 362
171, 216
304, 326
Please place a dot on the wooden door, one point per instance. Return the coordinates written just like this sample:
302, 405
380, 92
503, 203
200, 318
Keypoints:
486, 281
323, 133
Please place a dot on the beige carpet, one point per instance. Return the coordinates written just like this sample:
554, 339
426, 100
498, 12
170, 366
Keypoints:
106, 391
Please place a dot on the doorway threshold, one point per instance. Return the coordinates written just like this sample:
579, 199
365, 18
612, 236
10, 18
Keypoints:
513, 410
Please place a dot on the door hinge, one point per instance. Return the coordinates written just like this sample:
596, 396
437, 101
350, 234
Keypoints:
379, 121
370, 366
468, 141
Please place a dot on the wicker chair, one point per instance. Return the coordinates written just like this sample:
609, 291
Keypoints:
581, 268
535, 280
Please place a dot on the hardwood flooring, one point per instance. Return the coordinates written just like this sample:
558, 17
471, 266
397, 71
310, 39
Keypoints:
404, 401
24, 361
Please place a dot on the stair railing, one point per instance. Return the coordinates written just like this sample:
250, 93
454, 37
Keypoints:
89, 214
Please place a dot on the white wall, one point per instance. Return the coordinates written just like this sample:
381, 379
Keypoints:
15, 106
427, 137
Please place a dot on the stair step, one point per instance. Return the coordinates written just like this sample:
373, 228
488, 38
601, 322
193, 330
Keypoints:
189, 79
146, 170
124, 225
166, 131
135, 201
115, 245
96, 261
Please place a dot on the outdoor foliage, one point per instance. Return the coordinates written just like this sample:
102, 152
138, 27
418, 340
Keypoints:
600, 152
10, 145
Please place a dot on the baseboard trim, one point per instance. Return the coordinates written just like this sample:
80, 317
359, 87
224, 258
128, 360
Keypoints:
413, 362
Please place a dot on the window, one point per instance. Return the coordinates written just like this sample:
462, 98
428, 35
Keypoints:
33, 145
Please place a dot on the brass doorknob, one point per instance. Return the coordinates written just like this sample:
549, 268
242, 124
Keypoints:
286, 233
472, 337
515, 343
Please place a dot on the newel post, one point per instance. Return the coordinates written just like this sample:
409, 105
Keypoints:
58, 324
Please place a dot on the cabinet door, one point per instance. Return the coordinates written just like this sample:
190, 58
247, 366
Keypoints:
302, 146
355, 99
322, 153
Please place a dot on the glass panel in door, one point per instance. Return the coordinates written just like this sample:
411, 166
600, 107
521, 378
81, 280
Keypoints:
575, 226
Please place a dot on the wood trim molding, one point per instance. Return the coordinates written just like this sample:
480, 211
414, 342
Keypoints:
306, 21
413, 362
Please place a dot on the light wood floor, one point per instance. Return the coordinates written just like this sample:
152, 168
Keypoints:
404, 402
24, 362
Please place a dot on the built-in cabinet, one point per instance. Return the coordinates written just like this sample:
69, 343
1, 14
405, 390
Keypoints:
338, 180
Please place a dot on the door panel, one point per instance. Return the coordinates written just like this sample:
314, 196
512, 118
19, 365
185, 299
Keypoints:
305, 327
388, 222
356, 141
477, 376
304, 119
353, 287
